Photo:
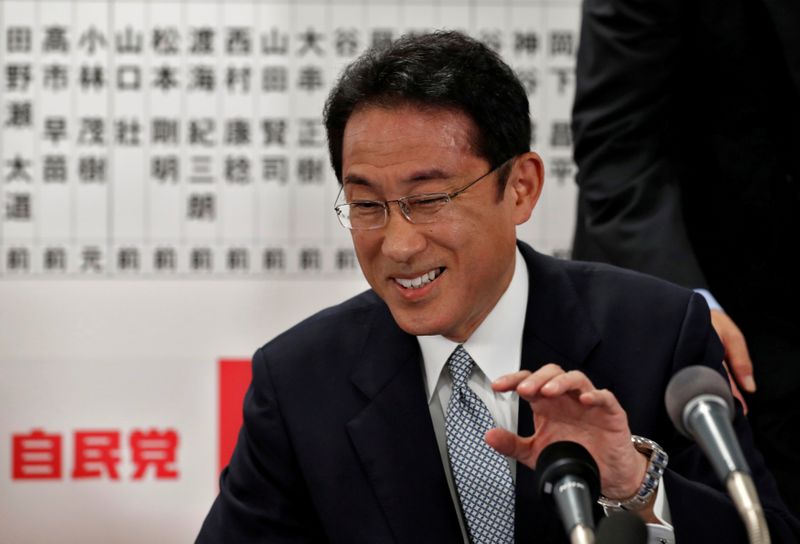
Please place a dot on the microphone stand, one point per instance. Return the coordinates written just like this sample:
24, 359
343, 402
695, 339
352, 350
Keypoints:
701, 416
743, 492
581, 535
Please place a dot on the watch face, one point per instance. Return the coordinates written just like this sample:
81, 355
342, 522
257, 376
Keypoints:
644, 445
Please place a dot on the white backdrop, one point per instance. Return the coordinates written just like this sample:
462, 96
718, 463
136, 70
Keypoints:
166, 204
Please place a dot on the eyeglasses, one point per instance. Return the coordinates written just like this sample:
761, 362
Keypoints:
418, 209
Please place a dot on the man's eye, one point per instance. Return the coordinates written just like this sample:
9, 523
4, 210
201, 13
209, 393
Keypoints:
362, 209
366, 206
424, 203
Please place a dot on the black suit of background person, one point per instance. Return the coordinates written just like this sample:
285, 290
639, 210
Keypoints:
687, 139
340, 438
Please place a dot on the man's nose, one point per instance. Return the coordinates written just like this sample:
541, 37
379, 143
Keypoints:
401, 238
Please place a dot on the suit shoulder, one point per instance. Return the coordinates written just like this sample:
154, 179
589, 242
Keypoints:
603, 273
626, 288
366, 301
332, 330
643, 318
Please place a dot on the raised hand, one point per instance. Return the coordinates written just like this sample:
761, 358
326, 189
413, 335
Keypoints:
567, 406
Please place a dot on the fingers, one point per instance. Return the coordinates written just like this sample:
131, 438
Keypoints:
736, 353
739, 359
511, 445
601, 398
735, 389
509, 382
567, 406
525, 383
549, 381
572, 381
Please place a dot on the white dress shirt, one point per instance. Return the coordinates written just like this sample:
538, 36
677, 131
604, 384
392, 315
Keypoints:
496, 348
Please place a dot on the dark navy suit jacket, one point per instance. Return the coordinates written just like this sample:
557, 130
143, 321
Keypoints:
338, 446
687, 139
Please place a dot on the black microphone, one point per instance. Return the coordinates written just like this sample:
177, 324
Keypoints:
569, 479
700, 405
622, 528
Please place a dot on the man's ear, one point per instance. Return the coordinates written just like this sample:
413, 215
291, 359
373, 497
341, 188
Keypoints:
525, 185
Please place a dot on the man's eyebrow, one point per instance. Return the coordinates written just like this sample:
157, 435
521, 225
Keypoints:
355, 179
425, 175
422, 175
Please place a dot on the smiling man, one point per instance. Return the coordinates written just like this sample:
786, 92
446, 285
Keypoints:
436, 279
407, 413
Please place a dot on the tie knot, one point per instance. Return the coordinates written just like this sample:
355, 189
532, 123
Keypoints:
460, 365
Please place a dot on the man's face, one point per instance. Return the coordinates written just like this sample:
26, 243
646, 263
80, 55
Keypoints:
389, 153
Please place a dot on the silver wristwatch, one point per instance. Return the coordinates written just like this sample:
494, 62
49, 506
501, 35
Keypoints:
655, 469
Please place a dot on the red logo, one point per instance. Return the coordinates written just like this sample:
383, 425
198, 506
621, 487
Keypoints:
95, 454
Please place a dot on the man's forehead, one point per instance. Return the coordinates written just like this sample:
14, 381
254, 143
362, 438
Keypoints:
415, 176
386, 124
385, 136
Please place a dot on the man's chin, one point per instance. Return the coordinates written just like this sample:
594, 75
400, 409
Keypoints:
416, 325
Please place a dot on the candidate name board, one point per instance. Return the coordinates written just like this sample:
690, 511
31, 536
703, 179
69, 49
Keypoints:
145, 139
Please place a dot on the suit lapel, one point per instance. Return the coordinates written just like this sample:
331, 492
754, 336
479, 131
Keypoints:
393, 435
557, 330
394, 438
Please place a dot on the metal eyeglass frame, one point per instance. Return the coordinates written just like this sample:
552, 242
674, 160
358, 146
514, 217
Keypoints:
403, 203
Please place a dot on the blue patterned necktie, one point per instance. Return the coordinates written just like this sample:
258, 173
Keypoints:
482, 475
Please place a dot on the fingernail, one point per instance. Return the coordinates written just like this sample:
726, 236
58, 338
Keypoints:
750, 384
549, 387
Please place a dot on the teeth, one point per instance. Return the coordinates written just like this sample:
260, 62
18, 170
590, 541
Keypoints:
419, 281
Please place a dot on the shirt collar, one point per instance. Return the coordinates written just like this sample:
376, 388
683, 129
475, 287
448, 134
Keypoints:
496, 345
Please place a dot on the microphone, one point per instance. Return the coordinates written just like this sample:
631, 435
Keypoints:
622, 528
700, 405
570, 481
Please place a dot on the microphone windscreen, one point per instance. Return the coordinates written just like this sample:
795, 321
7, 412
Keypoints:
691, 382
622, 528
566, 458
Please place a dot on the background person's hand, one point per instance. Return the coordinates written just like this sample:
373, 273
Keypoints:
737, 357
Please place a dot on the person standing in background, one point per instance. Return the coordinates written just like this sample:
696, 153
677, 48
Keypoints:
687, 139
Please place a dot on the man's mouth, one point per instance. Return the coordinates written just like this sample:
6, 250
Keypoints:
419, 281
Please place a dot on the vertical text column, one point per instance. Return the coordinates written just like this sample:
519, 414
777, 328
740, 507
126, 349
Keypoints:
57, 133
238, 113
130, 133
349, 38
561, 45
273, 222
204, 171
164, 79
309, 82
94, 138
525, 53
19, 177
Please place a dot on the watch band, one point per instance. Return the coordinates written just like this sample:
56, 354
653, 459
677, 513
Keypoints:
655, 469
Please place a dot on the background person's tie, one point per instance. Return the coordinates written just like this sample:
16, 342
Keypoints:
482, 475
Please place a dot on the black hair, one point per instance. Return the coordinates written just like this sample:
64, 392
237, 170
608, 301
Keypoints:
444, 69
